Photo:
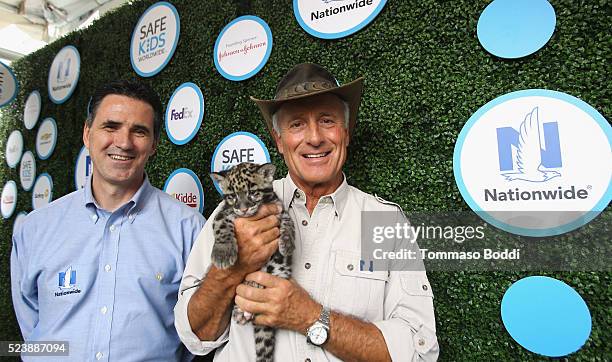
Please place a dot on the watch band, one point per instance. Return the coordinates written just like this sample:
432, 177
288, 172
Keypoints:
324, 316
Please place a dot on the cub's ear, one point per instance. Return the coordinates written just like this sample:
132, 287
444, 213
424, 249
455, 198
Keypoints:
267, 171
219, 177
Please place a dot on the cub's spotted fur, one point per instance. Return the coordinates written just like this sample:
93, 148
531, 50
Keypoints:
245, 188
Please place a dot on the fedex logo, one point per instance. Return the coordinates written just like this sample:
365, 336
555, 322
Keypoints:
182, 114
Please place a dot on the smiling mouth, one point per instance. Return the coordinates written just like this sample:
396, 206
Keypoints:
121, 157
316, 155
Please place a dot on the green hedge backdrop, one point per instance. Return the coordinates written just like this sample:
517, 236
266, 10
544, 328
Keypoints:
426, 73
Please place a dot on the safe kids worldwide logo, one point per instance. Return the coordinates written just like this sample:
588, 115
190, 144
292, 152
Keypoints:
535, 162
154, 39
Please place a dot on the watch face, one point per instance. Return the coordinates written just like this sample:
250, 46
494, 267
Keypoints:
318, 335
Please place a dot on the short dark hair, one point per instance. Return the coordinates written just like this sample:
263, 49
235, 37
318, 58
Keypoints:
129, 88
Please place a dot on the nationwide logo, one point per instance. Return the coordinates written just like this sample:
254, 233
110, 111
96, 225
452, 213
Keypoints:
67, 282
63, 73
537, 152
353, 5
535, 162
184, 113
190, 199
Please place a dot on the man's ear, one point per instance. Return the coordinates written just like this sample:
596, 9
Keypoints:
86, 131
279, 144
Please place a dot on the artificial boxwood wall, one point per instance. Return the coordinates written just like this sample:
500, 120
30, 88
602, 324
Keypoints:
426, 73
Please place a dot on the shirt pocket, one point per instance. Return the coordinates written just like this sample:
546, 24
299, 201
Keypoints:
354, 291
416, 284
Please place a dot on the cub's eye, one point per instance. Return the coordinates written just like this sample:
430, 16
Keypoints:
231, 198
255, 196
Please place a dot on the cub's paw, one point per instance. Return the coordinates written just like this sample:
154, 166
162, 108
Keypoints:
224, 255
240, 316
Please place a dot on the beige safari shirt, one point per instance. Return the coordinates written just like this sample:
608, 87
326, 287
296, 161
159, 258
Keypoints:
326, 263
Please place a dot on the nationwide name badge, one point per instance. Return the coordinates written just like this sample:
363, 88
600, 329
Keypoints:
535, 162
46, 138
333, 19
236, 148
31, 111
9, 87
64, 74
185, 186
42, 193
243, 48
14, 148
27, 170
82, 168
184, 113
154, 39
8, 199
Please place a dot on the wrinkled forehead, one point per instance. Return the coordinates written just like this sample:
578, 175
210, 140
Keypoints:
120, 108
327, 103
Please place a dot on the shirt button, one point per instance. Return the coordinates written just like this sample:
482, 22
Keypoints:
107, 267
350, 267
307, 265
99, 355
159, 276
304, 222
94, 217
421, 342
424, 287
297, 194
103, 310
131, 217
112, 228
307, 360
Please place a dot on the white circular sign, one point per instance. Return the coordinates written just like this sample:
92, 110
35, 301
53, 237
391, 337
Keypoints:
243, 48
8, 85
82, 168
27, 170
154, 39
185, 186
9, 199
18, 220
236, 148
333, 19
31, 111
14, 148
535, 162
184, 113
46, 138
64, 74
42, 194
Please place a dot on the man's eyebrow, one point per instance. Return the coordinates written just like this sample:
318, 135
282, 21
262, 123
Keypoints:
139, 127
110, 122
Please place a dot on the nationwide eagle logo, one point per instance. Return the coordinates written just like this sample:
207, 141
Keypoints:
536, 150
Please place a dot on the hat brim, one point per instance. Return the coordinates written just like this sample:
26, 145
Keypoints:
350, 93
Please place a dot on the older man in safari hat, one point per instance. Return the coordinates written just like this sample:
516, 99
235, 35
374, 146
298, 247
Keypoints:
331, 309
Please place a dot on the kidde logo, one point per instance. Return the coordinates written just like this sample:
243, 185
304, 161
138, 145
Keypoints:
8, 199
152, 38
184, 113
189, 198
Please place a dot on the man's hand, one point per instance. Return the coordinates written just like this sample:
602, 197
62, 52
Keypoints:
257, 238
282, 304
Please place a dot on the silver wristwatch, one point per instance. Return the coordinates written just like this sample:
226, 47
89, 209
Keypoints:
318, 333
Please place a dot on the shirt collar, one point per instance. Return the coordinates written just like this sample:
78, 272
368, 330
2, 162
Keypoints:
338, 197
136, 203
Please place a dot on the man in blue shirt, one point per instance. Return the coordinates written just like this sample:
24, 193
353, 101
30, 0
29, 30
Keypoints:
101, 267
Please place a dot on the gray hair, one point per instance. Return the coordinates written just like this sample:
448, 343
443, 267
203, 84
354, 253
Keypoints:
346, 118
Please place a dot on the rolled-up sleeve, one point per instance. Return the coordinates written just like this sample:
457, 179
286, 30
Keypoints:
409, 326
197, 266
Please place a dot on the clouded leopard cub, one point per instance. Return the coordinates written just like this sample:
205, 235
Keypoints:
245, 188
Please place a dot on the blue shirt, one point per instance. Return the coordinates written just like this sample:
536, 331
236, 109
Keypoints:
106, 282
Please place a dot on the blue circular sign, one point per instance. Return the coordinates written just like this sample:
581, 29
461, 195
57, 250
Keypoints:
516, 28
64, 74
181, 185
184, 113
9, 87
243, 48
546, 316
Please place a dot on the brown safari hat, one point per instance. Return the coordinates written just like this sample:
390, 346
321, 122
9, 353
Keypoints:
306, 80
